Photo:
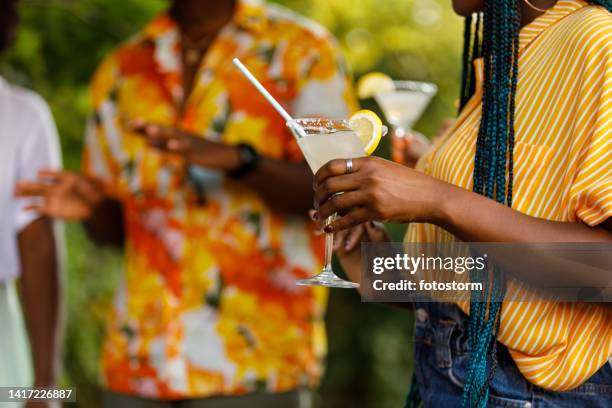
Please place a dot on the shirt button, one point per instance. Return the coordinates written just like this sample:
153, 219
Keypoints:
421, 315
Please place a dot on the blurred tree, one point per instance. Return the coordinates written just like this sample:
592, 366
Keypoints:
60, 44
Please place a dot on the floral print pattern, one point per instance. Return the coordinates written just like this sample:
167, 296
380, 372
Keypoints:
208, 304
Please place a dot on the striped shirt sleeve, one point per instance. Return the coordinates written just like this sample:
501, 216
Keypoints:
591, 190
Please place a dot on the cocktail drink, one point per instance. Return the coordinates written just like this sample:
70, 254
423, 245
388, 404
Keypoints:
405, 104
322, 140
328, 140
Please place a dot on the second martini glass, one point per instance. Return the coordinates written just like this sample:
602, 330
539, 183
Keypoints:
405, 105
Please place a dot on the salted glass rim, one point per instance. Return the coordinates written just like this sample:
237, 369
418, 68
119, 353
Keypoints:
319, 126
321, 129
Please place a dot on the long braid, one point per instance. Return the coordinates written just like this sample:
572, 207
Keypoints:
466, 69
607, 4
492, 161
472, 49
513, 85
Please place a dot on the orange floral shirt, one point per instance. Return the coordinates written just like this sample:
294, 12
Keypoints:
208, 304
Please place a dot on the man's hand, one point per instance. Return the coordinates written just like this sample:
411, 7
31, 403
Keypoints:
62, 195
347, 246
408, 148
193, 149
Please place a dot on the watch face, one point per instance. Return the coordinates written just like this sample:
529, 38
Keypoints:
248, 160
245, 155
248, 154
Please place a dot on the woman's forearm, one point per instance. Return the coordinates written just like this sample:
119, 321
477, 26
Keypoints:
474, 218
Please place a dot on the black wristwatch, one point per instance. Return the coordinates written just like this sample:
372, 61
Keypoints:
248, 161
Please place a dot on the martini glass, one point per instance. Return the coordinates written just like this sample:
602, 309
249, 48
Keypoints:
320, 141
405, 105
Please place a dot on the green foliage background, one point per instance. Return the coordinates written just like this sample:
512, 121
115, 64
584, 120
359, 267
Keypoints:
59, 45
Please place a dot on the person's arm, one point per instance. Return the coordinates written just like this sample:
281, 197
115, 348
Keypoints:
323, 90
382, 190
69, 196
105, 226
385, 191
285, 186
41, 292
39, 248
474, 218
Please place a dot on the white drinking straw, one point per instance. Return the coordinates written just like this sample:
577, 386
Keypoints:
279, 108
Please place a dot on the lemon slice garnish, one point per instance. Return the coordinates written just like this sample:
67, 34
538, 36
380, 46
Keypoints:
368, 127
374, 83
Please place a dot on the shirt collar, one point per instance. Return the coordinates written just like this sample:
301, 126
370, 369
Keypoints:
250, 15
560, 10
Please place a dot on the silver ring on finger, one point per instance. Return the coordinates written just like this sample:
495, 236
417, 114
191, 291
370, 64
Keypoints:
349, 166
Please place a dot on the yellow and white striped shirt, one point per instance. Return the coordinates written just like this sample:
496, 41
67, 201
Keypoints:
563, 172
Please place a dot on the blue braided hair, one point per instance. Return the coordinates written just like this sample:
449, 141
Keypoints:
493, 168
493, 178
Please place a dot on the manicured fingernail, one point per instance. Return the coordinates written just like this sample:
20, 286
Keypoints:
328, 229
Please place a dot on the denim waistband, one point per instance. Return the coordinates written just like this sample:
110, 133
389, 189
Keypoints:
441, 353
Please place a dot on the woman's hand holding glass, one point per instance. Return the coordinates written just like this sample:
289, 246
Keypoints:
377, 190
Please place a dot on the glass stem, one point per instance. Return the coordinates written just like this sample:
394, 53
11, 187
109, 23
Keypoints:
329, 245
400, 132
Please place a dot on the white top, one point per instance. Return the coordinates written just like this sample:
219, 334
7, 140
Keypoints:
28, 143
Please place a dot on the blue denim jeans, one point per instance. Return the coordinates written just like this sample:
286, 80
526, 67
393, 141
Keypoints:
441, 354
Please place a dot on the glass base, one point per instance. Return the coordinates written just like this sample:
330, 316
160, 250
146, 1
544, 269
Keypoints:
328, 279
